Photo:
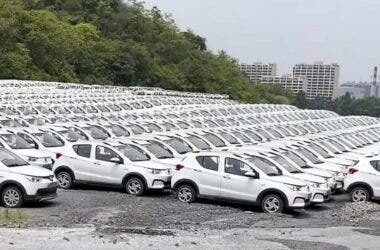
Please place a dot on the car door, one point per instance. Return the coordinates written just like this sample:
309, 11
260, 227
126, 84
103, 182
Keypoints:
207, 175
237, 186
374, 178
82, 164
105, 170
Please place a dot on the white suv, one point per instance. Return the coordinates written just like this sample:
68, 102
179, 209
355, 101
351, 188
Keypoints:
238, 178
119, 165
363, 180
21, 182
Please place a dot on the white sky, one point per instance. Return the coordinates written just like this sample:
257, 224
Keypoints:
287, 31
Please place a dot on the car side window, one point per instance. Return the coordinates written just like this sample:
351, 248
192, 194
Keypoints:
375, 165
236, 167
28, 139
209, 162
105, 154
83, 150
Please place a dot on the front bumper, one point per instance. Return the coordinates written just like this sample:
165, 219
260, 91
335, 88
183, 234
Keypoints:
300, 200
160, 182
44, 194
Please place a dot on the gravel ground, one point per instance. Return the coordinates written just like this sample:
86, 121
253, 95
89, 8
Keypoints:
113, 214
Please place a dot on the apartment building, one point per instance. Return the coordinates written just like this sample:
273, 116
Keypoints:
291, 83
257, 70
323, 79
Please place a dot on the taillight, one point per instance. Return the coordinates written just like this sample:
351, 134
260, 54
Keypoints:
179, 167
57, 155
352, 170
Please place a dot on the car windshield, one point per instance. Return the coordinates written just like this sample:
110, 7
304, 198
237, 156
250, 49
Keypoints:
180, 146
253, 135
327, 145
10, 159
49, 140
199, 142
229, 138
296, 159
159, 150
71, 136
242, 137
96, 133
320, 150
117, 130
133, 153
135, 129
338, 145
15, 141
266, 166
214, 140
286, 164
309, 155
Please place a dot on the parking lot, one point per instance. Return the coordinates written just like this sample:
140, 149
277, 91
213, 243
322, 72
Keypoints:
108, 217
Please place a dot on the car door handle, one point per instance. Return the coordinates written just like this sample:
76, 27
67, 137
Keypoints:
227, 177
197, 170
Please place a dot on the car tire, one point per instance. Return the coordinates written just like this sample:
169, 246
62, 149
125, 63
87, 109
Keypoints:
186, 193
12, 197
272, 203
65, 180
360, 194
135, 186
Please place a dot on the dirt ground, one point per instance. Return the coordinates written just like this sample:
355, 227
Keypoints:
99, 218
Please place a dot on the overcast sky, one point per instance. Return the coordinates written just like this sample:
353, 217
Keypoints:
287, 31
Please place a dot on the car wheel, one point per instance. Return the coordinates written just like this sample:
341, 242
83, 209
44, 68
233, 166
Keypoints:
65, 180
272, 203
12, 197
135, 186
186, 193
360, 194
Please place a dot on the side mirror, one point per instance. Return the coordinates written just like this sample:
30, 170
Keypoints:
251, 174
116, 160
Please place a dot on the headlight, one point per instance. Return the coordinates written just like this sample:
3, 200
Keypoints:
316, 185
340, 174
33, 178
298, 188
32, 159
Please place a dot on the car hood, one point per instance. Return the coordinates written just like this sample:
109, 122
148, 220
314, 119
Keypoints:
150, 164
340, 161
308, 177
318, 172
32, 171
329, 166
31, 153
287, 180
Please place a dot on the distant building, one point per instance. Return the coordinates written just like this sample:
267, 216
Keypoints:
357, 90
323, 79
257, 70
293, 84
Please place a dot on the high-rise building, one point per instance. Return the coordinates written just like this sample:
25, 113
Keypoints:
257, 70
291, 83
356, 90
323, 79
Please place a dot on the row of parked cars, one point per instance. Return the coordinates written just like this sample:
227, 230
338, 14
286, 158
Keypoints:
274, 156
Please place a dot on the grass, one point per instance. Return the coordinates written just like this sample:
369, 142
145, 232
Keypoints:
10, 217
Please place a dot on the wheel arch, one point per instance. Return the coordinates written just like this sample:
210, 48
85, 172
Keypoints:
186, 181
134, 174
10, 183
65, 168
266, 192
360, 184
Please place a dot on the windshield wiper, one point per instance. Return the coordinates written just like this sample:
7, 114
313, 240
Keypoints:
296, 172
273, 174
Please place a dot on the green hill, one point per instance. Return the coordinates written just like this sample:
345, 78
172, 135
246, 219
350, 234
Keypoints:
111, 42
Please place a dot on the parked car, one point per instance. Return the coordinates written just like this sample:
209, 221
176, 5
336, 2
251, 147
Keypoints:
101, 164
363, 180
223, 175
22, 182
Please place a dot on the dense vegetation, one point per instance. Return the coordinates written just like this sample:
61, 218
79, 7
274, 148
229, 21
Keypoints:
111, 42
343, 105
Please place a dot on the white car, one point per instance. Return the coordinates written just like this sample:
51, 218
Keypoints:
238, 178
99, 163
363, 180
21, 182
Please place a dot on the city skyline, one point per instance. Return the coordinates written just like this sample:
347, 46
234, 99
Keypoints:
286, 32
